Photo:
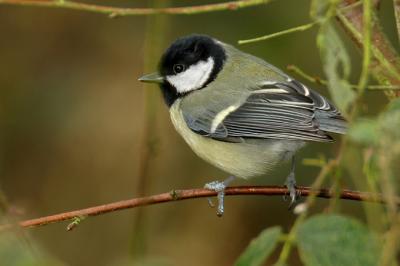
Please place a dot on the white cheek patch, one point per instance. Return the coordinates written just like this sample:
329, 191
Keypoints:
192, 78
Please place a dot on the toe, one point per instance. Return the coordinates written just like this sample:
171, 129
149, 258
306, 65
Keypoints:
210, 203
216, 186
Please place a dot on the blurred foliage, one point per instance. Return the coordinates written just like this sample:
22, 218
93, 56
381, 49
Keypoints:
16, 249
260, 248
74, 116
376, 131
336, 61
332, 240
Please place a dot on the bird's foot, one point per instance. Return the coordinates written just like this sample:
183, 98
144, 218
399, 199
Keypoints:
219, 187
291, 186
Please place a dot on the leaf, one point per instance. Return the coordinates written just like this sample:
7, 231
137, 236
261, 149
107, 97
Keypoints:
336, 66
260, 248
365, 132
331, 240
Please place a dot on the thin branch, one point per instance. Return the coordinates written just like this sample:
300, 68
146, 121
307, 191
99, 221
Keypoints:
277, 34
367, 22
396, 7
325, 170
309, 26
318, 80
177, 195
156, 31
125, 11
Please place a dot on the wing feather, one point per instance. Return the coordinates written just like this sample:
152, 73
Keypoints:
283, 110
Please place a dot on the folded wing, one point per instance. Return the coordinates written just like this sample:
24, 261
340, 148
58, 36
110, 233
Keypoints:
278, 110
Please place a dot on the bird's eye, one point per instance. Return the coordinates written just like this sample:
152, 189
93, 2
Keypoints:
178, 68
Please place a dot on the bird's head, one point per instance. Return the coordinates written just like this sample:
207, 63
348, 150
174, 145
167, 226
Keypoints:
189, 64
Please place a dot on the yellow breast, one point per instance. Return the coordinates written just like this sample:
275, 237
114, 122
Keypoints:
243, 160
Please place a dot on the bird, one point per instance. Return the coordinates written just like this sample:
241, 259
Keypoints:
238, 112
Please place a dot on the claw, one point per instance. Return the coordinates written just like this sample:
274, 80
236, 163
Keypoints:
219, 187
210, 203
291, 185
285, 196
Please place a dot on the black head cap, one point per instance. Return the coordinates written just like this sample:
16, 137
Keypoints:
183, 53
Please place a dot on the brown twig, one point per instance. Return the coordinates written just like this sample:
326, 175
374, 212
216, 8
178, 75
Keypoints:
176, 195
125, 11
396, 7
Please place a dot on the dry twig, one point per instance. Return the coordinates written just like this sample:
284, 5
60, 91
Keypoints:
125, 11
176, 195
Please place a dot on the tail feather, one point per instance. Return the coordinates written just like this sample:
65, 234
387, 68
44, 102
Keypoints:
335, 124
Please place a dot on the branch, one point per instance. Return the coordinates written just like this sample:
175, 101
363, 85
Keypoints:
320, 81
367, 22
122, 11
396, 7
176, 195
280, 33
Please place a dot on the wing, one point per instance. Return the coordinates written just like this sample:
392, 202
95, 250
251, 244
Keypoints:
279, 110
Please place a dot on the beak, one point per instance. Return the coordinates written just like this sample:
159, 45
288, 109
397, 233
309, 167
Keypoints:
152, 78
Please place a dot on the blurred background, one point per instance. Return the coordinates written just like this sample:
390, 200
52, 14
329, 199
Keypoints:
77, 129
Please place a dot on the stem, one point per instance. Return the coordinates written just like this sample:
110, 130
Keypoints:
367, 22
157, 28
277, 34
396, 7
325, 170
122, 11
177, 195
287, 246
318, 80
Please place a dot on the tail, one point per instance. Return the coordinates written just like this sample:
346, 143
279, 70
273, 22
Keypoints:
336, 124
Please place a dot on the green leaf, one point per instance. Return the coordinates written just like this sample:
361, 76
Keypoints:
365, 132
260, 248
331, 240
336, 66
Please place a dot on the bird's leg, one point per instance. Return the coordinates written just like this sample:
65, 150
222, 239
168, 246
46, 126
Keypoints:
219, 187
290, 183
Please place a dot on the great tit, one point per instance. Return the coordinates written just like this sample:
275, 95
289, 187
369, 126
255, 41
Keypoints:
238, 112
